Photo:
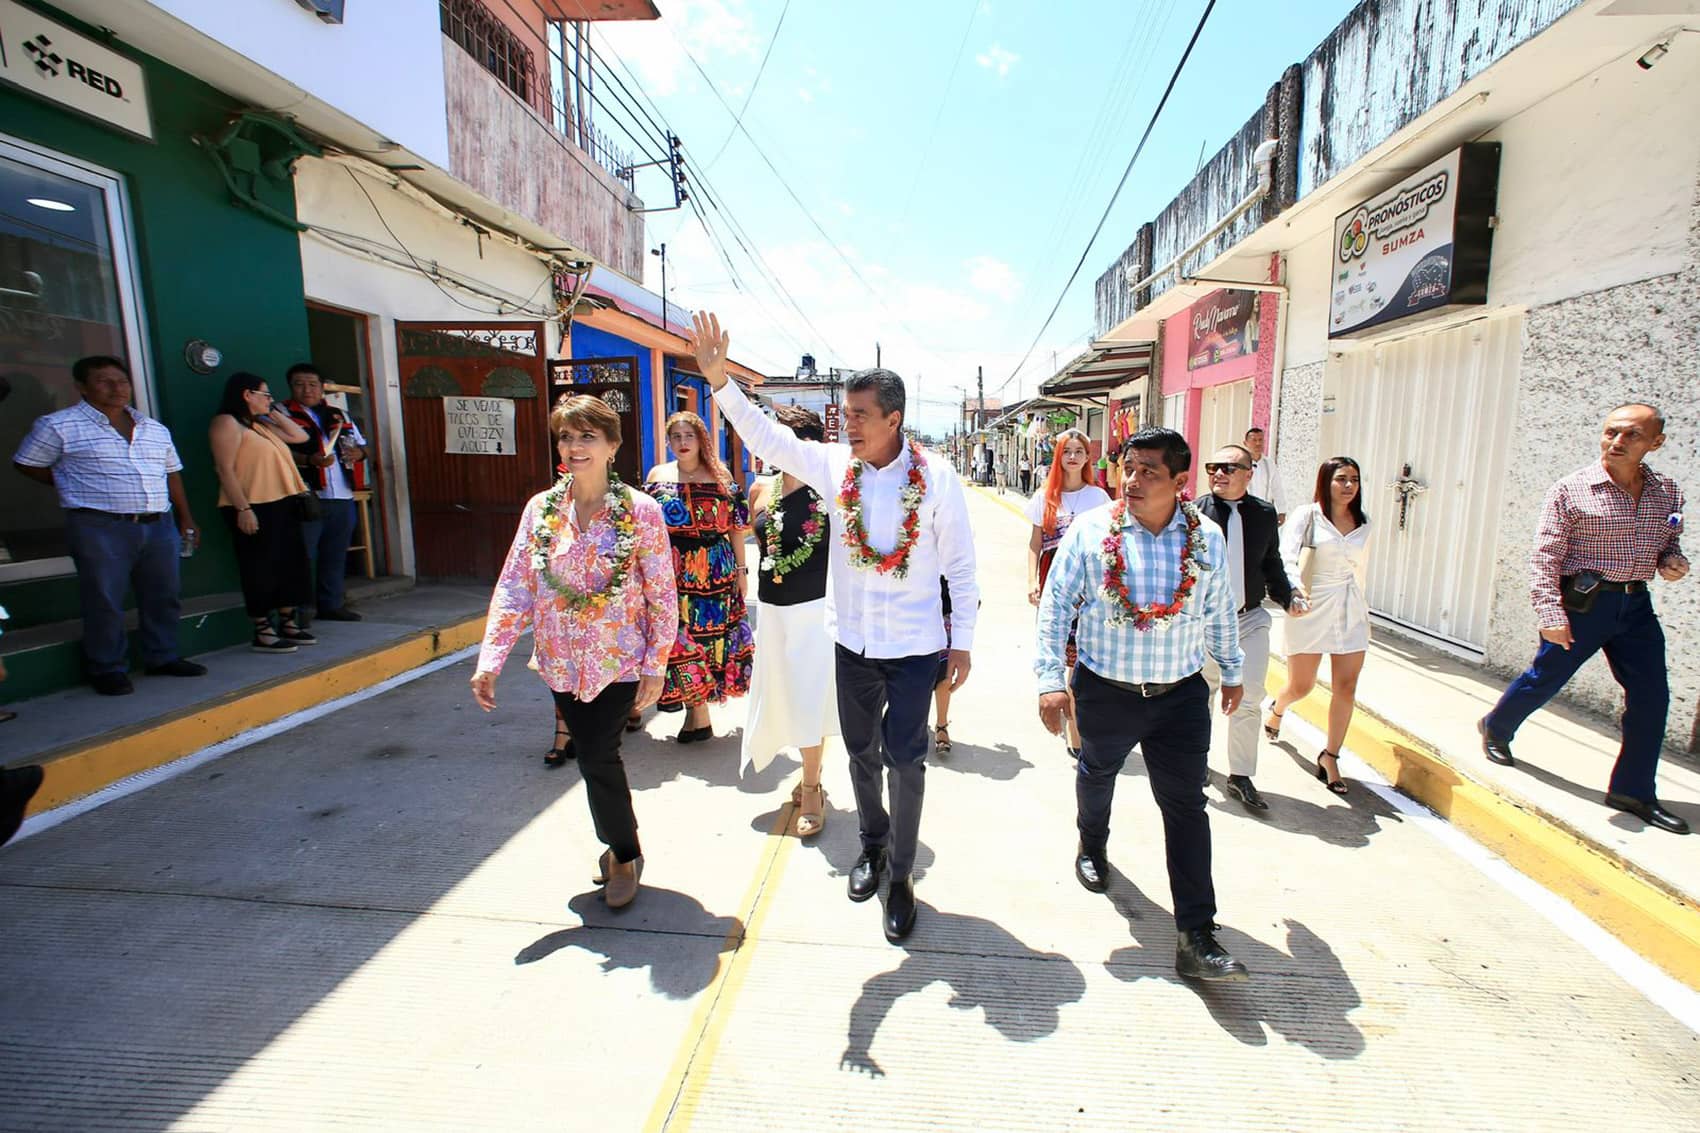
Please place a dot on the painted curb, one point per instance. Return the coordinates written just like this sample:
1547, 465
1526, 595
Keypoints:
1640, 910
77, 770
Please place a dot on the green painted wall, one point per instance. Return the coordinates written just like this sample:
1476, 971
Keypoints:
209, 269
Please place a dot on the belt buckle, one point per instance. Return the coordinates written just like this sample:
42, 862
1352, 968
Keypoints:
1145, 690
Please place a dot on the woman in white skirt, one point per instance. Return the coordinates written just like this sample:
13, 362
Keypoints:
1335, 533
793, 692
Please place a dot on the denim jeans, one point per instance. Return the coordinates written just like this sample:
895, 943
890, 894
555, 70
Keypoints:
327, 541
113, 555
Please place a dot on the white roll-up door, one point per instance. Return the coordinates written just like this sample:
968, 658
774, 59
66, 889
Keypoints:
1441, 402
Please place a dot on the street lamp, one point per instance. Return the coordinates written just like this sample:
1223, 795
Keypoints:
662, 252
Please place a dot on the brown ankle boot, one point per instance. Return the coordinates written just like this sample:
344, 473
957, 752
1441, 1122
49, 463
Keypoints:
622, 884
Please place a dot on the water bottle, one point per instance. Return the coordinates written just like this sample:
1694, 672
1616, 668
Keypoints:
191, 540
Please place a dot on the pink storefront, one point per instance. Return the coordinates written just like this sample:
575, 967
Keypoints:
1218, 369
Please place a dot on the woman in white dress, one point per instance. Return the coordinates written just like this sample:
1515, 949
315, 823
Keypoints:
793, 692
1335, 532
1065, 494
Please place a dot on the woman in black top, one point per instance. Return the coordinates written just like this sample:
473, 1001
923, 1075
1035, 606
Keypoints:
793, 697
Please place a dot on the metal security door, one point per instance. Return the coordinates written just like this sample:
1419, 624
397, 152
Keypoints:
1426, 416
1223, 417
615, 381
465, 507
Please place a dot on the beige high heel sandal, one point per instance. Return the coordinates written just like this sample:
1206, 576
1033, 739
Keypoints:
810, 816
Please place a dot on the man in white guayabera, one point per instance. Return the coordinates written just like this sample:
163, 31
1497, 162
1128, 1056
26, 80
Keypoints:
904, 521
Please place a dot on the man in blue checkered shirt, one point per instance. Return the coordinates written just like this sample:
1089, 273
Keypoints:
1142, 634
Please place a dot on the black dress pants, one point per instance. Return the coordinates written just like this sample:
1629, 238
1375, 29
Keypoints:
597, 726
882, 711
1173, 732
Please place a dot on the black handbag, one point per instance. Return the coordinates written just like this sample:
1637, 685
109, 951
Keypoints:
311, 511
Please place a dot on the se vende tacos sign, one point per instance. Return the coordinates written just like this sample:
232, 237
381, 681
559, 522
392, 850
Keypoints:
1420, 247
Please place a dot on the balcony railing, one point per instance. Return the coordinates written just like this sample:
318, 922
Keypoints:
539, 76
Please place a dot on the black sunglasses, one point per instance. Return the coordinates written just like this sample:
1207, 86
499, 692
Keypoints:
1229, 469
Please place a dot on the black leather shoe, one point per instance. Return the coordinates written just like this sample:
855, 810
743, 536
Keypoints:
696, 735
112, 684
865, 874
1497, 750
1091, 870
1199, 957
900, 909
17, 787
1242, 788
340, 615
178, 668
1649, 812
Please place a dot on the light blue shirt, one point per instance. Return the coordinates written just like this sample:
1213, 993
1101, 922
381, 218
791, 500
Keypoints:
94, 466
1074, 595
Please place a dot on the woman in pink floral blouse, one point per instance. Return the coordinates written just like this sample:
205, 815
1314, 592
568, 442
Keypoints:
591, 574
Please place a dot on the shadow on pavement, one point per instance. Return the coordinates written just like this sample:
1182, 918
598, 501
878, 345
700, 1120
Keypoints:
1001, 763
663, 930
1349, 821
1020, 991
652, 763
1302, 994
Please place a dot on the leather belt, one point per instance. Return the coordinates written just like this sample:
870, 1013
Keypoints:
1147, 689
143, 517
1631, 587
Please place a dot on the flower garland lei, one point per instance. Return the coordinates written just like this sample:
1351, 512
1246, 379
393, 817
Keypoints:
1152, 615
864, 557
549, 523
813, 529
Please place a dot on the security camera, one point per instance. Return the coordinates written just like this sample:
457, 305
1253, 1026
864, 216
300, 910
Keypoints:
1653, 55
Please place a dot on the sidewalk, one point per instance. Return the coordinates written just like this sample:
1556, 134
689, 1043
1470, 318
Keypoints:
87, 741
1416, 725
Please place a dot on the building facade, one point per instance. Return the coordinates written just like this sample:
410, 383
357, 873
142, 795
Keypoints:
1480, 234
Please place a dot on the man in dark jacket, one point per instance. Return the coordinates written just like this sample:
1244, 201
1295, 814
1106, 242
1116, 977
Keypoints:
333, 463
1254, 561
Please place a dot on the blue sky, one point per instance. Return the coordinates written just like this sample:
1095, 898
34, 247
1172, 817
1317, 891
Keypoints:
959, 248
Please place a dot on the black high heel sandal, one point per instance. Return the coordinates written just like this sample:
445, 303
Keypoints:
1334, 782
563, 749
1272, 722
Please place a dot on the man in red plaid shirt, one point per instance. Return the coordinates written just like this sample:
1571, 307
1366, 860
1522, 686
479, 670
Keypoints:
1605, 529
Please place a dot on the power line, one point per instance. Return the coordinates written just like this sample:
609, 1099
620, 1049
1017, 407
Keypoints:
754, 83
1120, 185
938, 115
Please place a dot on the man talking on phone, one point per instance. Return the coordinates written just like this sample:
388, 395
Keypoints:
1605, 530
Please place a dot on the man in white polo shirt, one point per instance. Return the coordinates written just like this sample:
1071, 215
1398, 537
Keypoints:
119, 480
904, 520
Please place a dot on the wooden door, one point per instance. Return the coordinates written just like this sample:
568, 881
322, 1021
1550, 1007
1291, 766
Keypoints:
615, 381
466, 506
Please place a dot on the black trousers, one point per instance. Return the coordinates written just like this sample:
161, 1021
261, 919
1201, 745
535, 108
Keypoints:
882, 711
597, 726
1173, 732
272, 562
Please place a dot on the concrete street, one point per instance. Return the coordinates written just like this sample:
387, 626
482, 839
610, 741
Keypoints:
384, 919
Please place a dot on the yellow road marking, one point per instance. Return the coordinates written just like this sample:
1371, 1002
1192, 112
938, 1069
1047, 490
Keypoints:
1661, 925
82, 769
692, 1062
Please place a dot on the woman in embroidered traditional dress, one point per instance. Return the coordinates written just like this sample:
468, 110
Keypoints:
1064, 495
707, 519
590, 573
793, 691
1335, 531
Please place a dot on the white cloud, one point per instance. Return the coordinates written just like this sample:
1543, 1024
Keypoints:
712, 29
805, 94
998, 59
992, 276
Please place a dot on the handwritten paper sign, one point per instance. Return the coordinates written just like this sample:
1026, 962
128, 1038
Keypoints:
479, 426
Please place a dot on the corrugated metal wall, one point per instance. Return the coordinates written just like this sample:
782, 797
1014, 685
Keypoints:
1444, 401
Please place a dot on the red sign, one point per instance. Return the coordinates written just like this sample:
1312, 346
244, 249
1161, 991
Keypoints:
831, 416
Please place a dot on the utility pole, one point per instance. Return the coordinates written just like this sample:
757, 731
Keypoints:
876, 355
662, 252
980, 410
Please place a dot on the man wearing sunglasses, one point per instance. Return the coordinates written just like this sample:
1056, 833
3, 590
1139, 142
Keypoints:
1254, 565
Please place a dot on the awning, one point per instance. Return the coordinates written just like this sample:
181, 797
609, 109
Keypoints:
1099, 369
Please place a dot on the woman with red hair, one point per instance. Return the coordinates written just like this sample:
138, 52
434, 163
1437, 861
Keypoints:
1065, 494
707, 518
